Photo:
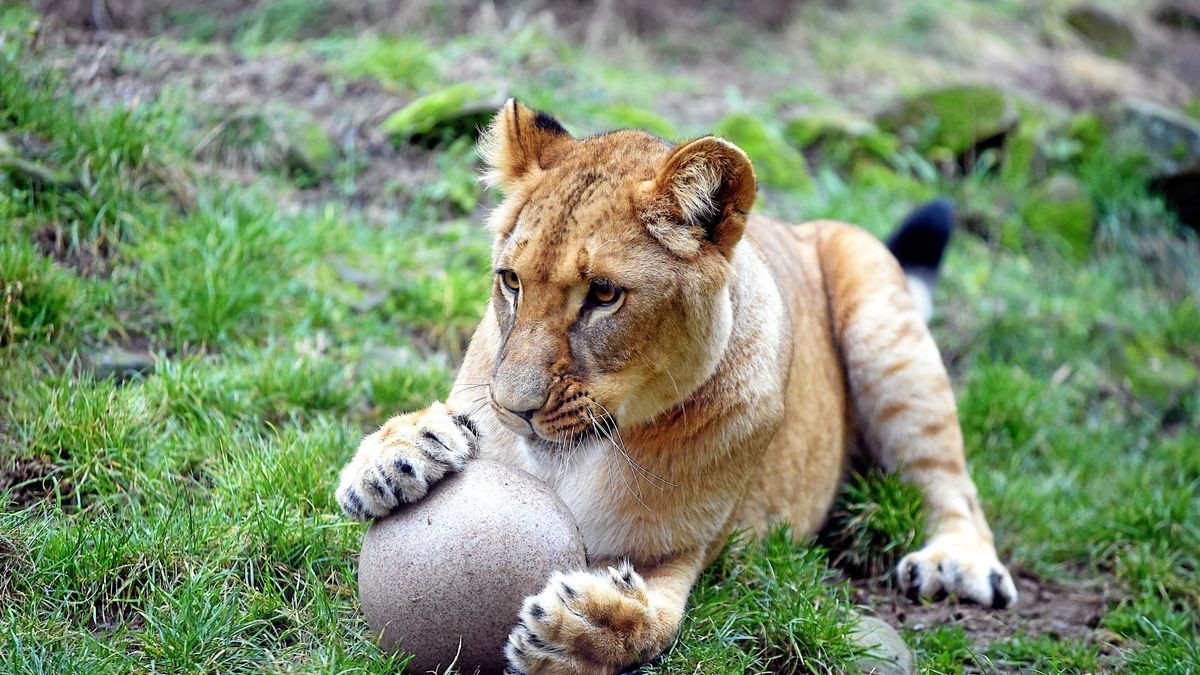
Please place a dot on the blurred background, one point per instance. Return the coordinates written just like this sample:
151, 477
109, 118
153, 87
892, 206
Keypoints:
235, 235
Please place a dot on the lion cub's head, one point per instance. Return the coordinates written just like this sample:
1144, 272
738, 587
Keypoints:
611, 258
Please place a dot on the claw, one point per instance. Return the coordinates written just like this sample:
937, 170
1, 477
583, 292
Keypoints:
1000, 599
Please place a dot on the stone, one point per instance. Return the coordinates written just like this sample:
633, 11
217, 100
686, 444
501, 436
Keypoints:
841, 138
119, 363
457, 111
1020, 157
444, 578
951, 121
1106, 32
310, 152
776, 163
1170, 142
887, 653
1154, 372
1179, 14
1060, 209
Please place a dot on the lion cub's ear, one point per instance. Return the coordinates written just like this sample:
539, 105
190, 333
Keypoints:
702, 193
518, 142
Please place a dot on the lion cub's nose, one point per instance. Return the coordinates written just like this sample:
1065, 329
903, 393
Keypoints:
522, 395
526, 415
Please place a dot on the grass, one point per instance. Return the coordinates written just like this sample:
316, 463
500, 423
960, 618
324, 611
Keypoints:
183, 520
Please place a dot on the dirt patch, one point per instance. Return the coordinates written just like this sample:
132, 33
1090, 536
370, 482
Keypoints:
1062, 610
219, 83
86, 258
25, 481
117, 60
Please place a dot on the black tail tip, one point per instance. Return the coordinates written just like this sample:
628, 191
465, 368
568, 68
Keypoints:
921, 239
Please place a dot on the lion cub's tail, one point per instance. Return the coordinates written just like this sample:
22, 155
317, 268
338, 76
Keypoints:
918, 244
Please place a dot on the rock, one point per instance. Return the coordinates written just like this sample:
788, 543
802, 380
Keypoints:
1181, 193
310, 152
888, 653
1153, 372
1106, 32
1020, 157
904, 186
631, 117
454, 112
445, 577
952, 121
119, 363
1179, 14
1170, 142
1059, 208
841, 138
271, 140
776, 164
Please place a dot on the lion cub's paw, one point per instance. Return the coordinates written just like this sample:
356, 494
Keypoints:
400, 462
965, 568
584, 622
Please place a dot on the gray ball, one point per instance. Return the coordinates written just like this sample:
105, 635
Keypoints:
445, 577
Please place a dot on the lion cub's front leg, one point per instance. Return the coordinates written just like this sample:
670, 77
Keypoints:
400, 462
601, 621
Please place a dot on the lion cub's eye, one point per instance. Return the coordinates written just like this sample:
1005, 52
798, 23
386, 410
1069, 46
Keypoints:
603, 293
511, 281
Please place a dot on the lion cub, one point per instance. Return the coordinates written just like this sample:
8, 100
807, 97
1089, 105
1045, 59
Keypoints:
676, 367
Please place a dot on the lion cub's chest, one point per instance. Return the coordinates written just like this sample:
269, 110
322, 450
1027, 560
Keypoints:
584, 483
622, 514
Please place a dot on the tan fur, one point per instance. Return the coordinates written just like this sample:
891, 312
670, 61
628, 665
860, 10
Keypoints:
727, 387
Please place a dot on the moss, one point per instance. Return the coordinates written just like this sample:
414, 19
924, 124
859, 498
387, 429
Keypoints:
311, 154
1059, 209
1156, 374
776, 163
1020, 154
1106, 32
454, 112
952, 120
875, 176
841, 138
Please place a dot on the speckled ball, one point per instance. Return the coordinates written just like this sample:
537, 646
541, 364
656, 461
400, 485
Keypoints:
445, 577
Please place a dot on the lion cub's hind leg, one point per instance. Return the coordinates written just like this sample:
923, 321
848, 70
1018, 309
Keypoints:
907, 413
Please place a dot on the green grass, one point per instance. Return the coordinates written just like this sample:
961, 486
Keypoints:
183, 520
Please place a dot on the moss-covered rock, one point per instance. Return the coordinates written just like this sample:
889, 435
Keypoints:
1059, 210
1106, 32
310, 153
841, 139
1170, 142
951, 121
623, 116
904, 186
1020, 157
1157, 374
776, 163
454, 112
272, 140
1169, 139
1179, 14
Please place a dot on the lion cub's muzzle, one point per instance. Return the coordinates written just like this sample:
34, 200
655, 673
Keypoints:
560, 417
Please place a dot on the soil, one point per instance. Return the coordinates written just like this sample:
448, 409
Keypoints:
113, 53
1061, 609
87, 258
28, 480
